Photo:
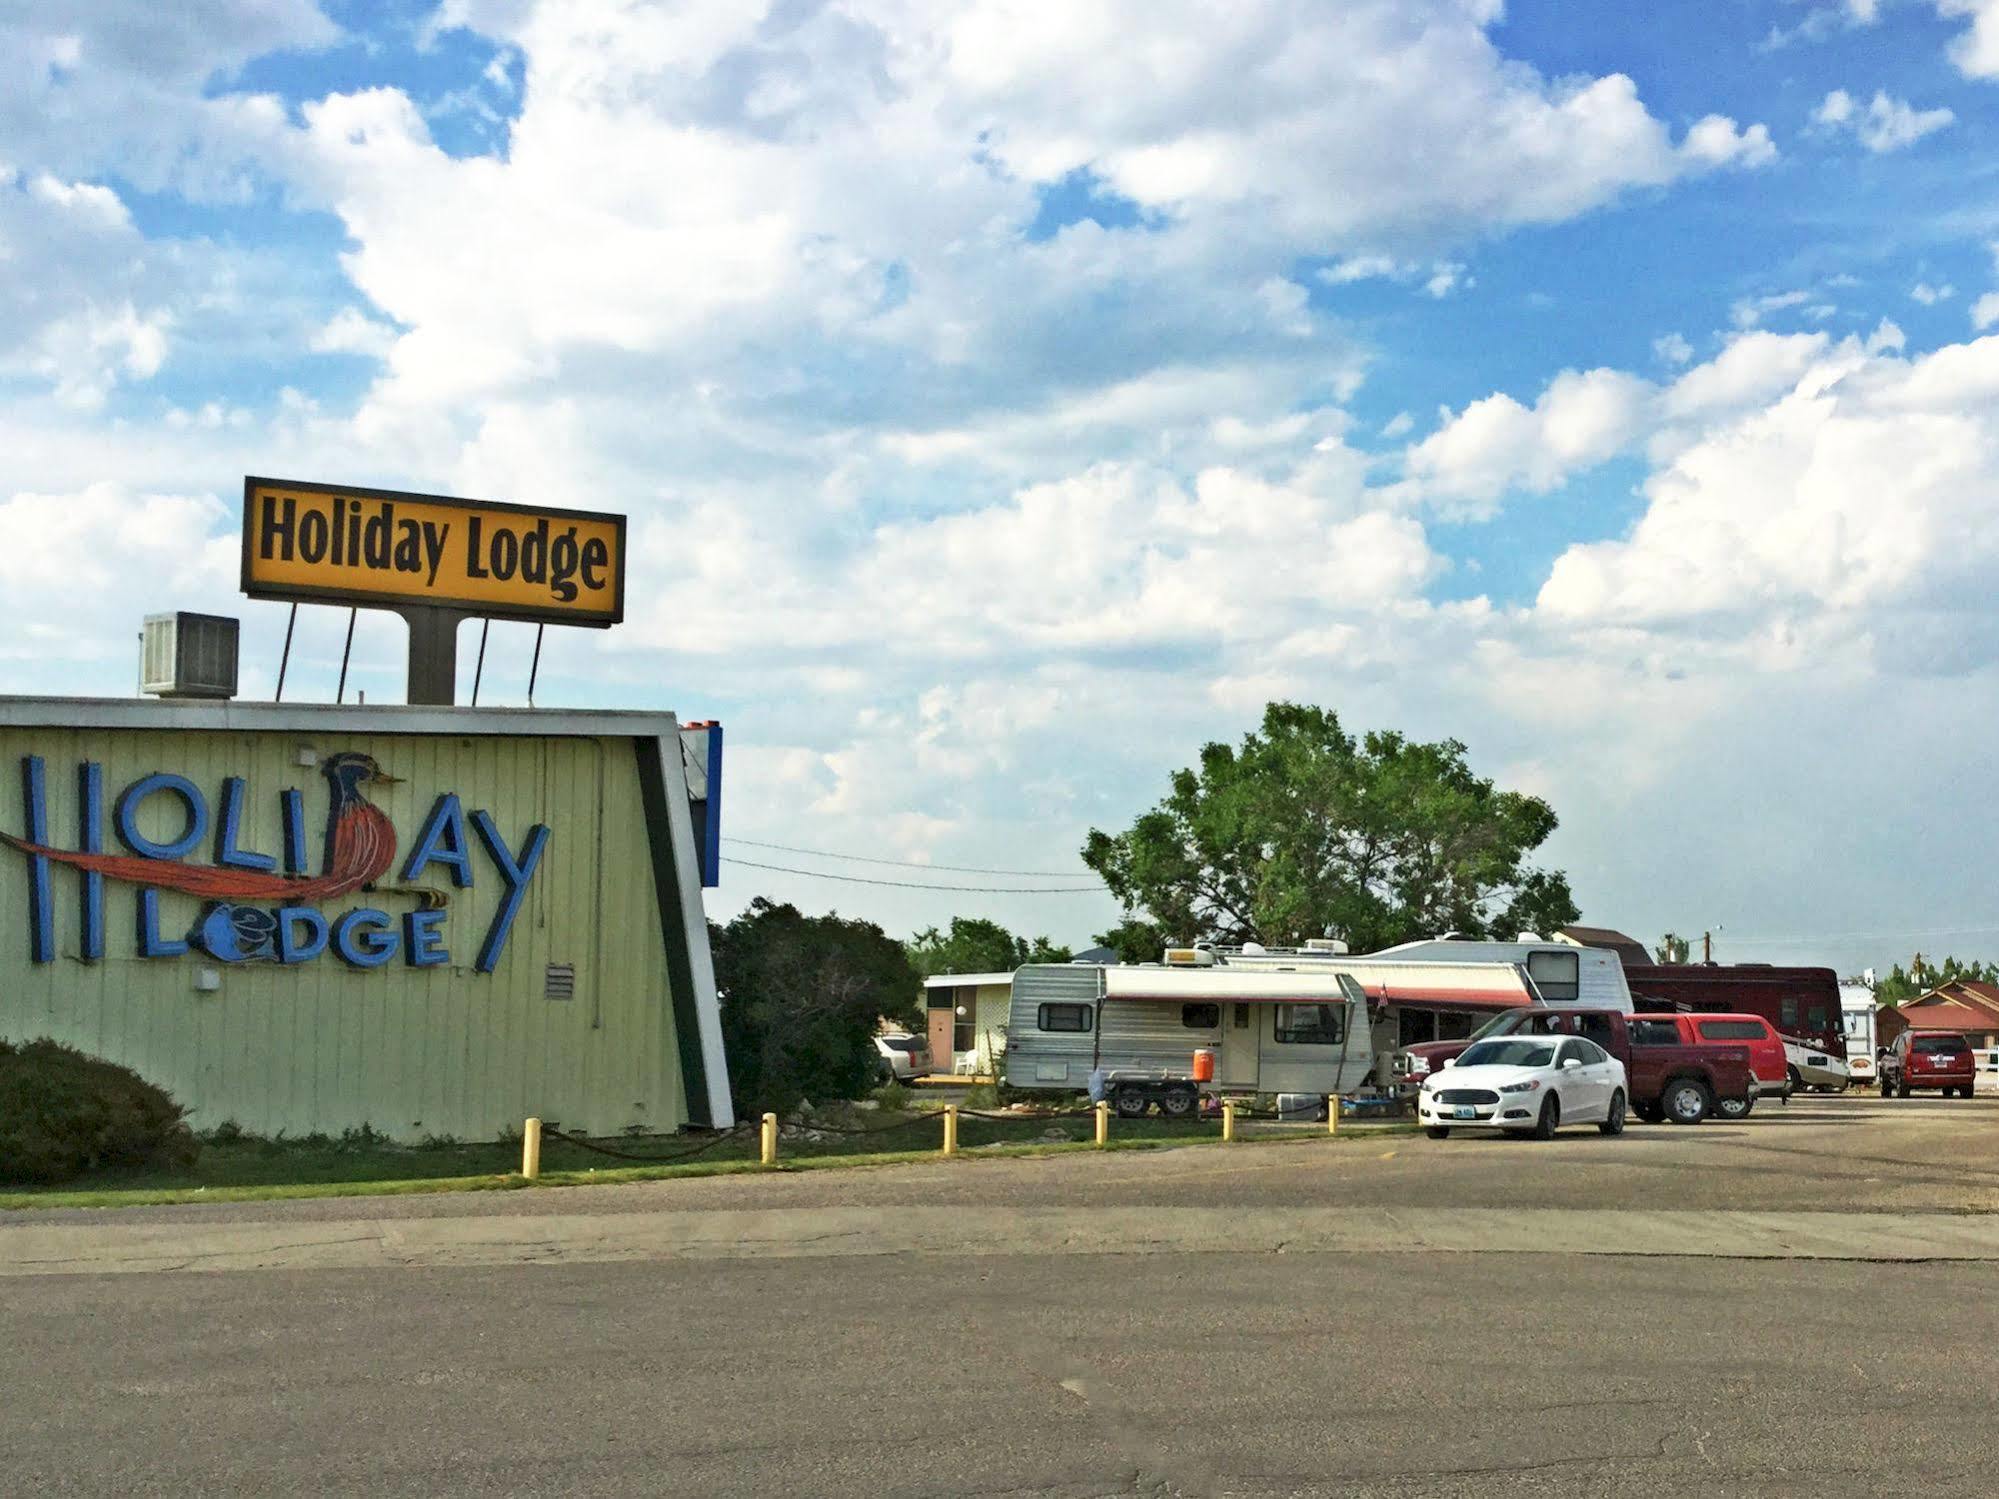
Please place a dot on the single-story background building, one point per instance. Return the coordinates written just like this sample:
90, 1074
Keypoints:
1966, 1006
967, 1014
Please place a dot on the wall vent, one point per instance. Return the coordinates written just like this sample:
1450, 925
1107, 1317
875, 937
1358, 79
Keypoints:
560, 982
188, 655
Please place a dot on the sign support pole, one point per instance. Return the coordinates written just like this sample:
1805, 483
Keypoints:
433, 657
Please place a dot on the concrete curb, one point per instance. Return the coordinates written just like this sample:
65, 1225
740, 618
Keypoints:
577, 1238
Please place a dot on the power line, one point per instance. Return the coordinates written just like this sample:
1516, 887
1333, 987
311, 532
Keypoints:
1936, 931
820, 853
856, 879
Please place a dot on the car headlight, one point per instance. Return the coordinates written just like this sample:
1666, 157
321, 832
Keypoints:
1527, 1087
1419, 1064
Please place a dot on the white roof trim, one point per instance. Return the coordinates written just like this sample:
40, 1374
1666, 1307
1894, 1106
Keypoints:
952, 980
325, 718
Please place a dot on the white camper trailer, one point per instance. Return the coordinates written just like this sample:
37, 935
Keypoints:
1134, 1031
1442, 990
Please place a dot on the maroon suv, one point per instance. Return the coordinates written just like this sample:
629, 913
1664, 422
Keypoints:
1928, 1059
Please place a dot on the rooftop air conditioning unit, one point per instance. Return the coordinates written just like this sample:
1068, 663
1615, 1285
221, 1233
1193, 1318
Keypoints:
188, 655
1325, 944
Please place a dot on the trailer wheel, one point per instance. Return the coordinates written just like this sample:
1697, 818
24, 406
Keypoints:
1130, 1102
1179, 1103
1734, 1108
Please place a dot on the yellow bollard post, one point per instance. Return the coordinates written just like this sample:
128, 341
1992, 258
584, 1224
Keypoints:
531, 1149
768, 1141
1103, 1122
1332, 1113
1228, 1118
950, 1129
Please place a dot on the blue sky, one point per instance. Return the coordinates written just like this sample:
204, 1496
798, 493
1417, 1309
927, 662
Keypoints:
1010, 398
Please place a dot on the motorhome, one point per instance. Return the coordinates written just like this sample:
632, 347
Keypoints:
1445, 988
1804, 1004
1856, 1013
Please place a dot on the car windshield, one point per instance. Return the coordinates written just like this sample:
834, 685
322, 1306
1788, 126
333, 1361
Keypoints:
1513, 1053
1931, 1045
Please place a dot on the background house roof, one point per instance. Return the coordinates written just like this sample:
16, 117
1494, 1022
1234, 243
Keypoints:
1962, 1004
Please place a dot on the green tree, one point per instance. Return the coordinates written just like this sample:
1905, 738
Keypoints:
1923, 976
1305, 831
801, 999
1673, 949
975, 945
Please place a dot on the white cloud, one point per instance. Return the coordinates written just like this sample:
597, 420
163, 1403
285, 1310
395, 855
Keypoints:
352, 331
1716, 141
1975, 51
87, 85
80, 569
1671, 348
1841, 514
1438, 278
1985, 311
1929, 295
1363, 268
1749, 311
1446, 278
1885, 125
84, 305
1581, 419
1496, 444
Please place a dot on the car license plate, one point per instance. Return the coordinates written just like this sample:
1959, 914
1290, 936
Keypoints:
1464, 1111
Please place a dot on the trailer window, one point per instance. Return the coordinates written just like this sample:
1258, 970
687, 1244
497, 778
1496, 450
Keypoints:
1063, 1018
1201, 1017
1815, 1018
1311, 1025
1558, 975
1787, 1010
1242, 1017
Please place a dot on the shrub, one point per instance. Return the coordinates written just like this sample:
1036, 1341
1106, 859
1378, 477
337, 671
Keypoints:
63, 1113
894, 1098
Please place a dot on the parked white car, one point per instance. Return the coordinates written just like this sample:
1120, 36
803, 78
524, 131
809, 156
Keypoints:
1526, 1084
903, 1057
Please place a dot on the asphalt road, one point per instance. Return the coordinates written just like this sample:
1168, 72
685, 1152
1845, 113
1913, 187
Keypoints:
1071, 1371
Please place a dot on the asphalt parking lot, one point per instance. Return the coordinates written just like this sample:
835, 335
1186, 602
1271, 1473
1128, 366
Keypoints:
1735, 1309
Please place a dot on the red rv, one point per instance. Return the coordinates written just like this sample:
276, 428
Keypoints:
1802, 1004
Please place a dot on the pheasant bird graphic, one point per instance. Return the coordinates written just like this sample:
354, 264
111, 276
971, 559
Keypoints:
360, 849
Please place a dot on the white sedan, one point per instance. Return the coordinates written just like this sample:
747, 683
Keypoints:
1528, 1084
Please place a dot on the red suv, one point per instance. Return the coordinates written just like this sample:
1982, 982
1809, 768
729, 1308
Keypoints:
1766, 1054
1928, 1059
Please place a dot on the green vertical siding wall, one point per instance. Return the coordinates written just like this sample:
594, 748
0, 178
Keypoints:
323, 1047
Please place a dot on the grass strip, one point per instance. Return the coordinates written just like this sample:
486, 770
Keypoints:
121, 1197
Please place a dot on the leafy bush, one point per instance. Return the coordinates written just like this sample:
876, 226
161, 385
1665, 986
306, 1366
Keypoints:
63, 1113
802, 997
894, 1098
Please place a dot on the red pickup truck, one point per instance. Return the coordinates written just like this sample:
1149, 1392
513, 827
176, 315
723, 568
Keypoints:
1669, 1076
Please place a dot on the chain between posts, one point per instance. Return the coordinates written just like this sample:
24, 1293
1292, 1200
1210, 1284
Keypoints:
769, 1127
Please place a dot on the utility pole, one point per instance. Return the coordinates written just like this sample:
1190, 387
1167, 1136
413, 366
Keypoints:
1707, 947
